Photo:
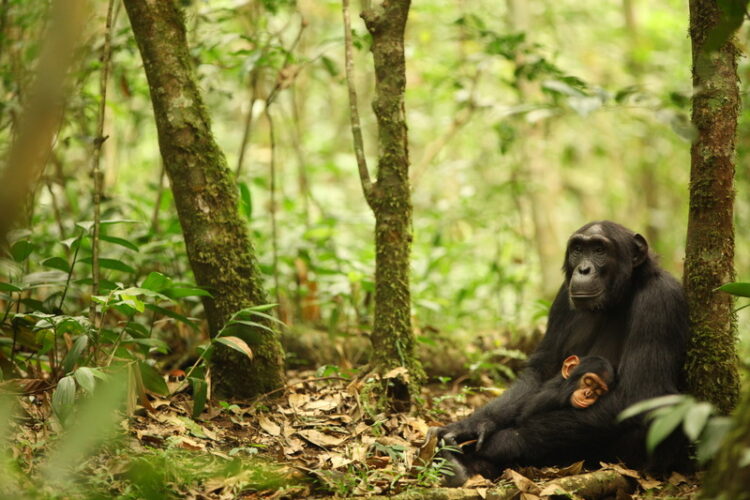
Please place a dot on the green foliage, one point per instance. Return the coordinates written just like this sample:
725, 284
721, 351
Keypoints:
700, 422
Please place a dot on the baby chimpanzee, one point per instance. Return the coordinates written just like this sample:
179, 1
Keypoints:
580, 383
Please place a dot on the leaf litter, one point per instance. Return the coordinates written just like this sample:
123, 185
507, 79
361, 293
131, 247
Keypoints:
322, 440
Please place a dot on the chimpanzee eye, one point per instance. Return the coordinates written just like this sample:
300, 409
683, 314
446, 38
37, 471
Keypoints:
599, 249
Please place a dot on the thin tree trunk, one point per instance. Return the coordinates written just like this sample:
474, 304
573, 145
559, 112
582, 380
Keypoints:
709, 260
390, 199
220, 252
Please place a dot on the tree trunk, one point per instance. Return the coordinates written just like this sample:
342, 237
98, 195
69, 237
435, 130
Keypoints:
392, 335
217, 242
709, 254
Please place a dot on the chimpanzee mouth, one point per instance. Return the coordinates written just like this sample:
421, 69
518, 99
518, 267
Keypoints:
588, 294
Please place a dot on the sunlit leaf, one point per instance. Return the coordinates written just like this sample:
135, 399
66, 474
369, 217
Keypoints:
712, 438
696, 419
237, 344
662, 426
181, 292
63, 398
156, 282
650, 404
85, 378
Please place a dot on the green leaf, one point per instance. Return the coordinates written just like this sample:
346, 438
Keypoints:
75, 352
246, 201
85, 378
63, 398
152, 380
663, 425
114, 264
738, 289
181, 292
650, 404
172, 314
57, 263
237, 344
119, 241
157, 344
20, 250
156, 282
696, 419
253, 324
200, 394
712, 438
7, 287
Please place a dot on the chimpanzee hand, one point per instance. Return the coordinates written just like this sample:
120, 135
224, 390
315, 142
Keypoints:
470, 429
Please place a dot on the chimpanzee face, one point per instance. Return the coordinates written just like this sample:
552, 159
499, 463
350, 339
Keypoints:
599, 264
591, 261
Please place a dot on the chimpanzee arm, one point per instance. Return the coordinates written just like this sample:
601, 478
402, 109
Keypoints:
503, 411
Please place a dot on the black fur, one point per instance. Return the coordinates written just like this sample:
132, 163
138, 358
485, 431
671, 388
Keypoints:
639, 322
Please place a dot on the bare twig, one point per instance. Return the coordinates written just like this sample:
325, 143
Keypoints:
157, 203
274, 225
359, 148
248, 123
96, 172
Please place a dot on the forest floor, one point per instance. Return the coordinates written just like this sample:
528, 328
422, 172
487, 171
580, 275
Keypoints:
317, 438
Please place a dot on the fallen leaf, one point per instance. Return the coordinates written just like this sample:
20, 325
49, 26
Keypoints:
320, 439
398, 372
676, 479
269, 426
477, 481
524, 484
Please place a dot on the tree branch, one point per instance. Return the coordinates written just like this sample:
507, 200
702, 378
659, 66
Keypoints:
359, 148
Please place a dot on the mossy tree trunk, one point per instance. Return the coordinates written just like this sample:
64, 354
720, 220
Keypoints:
709, 260
729, 476
390, 199
216, 239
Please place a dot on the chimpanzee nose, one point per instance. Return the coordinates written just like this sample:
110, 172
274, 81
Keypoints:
584, 269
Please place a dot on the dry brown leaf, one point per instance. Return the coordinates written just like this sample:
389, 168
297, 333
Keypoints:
191, 444
524, 484
621, 470
427, 450
398, 372
320, 439
269, 426
649, 482
477, 481
293, 446
322, 405
554, 489
676, 479
297, 401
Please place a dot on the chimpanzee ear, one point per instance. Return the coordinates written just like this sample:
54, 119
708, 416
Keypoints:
641, 250
569, 365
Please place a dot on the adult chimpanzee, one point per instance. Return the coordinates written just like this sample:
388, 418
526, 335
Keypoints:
617, 303
580, 383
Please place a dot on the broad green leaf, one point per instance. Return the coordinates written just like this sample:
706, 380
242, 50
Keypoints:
696, 419
200, 394
57, 263
7, 287
246, 201
237, 344
712, 438
20, 250
152, 380
181, 292
63, 398
253, 324
156, 282
75, 352
650, 404
663, 425
114, 264
738, 289
172, 314
119, 241
132, 301
85, 378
